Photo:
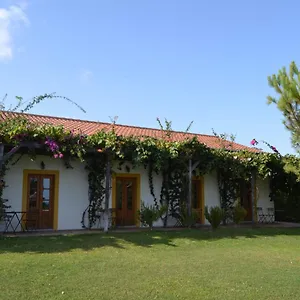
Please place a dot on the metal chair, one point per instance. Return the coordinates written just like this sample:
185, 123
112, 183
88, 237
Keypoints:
7, 221
178, 219
261, 217
271, 215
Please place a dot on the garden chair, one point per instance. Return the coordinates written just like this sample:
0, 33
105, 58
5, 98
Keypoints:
271, 215
261, 217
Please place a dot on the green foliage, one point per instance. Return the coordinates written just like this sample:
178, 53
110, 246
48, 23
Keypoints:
214, 215
287, 85
239, 213
3, 205
16, 130
161, 155
185, 219
148, 214
230, 170
96, 168
285, 192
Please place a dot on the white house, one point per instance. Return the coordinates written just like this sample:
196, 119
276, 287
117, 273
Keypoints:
56, 196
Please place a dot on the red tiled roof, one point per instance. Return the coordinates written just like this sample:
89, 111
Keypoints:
91, 127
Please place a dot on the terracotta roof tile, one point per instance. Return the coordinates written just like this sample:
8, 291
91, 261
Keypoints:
91, 127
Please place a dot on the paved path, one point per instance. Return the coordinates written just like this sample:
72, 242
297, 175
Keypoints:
135, 229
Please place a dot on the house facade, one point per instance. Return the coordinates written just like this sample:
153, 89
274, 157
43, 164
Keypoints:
56, 198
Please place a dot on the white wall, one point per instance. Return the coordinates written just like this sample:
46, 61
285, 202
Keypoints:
263, 195
73, 189
211, 191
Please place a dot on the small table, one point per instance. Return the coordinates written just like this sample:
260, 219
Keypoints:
10, 217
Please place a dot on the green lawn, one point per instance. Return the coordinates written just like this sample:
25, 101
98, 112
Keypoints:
190, 264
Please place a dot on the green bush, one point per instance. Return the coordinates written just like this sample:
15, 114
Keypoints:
214, 215
148, 214
186, 219
239, 213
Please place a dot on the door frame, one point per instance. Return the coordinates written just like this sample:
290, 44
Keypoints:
201, 199
55, 196
246, 192
137, 205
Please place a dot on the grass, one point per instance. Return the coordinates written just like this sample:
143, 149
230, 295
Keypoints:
235, 263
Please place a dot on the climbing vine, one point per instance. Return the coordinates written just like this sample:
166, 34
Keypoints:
96, 168
3, 201
162, 155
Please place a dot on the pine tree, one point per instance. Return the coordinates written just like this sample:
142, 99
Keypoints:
287, 86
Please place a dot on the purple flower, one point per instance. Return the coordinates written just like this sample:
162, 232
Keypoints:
254, 142
274, 149
52, 145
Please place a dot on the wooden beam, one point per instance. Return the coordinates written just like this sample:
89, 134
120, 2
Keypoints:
10, 153
253, 200
194, 166
1, 154
190, 188
29, 145
107, 182
107, 191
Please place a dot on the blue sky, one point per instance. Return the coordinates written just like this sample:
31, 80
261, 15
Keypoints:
192, 60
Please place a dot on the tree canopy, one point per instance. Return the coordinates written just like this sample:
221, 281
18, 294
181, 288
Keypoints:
287, 86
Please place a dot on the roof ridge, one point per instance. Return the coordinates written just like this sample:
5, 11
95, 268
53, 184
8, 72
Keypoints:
107, 123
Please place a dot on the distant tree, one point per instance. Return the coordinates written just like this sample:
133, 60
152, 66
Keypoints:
287, 86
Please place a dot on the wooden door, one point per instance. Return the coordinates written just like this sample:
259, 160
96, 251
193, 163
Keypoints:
197, 198
246, 199
126, 201
40, 201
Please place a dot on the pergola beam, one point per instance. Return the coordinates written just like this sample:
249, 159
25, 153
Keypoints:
5, 157
253, 196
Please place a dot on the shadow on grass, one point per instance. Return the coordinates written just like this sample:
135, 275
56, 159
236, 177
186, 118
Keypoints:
121, 240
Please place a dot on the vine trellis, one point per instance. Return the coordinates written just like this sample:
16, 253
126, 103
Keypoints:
96, 168
160, 155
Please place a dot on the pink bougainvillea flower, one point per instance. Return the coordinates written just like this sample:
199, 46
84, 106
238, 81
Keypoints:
254, 142
55, 155
274, 149
61, 155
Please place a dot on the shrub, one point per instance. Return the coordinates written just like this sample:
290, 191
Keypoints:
214, 215
186, 219
239, 213
149, 214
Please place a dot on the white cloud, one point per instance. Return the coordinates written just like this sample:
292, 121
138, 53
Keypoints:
86, 76
10, 18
